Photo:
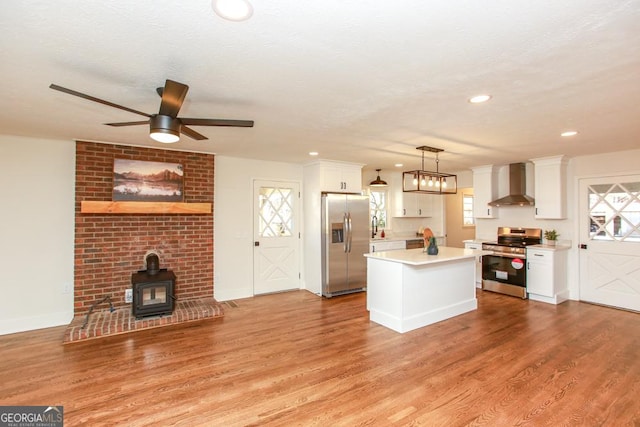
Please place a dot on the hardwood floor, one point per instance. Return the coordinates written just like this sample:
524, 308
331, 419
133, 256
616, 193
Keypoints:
296, 359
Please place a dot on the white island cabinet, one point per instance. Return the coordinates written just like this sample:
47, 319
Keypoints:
410, 289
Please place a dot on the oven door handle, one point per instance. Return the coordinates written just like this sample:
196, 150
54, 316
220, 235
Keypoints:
498, 254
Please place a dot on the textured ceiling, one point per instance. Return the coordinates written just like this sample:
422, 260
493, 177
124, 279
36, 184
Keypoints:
362, 81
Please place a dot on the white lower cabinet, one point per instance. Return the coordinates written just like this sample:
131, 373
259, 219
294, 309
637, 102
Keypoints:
387, 245
478, 247
547, 274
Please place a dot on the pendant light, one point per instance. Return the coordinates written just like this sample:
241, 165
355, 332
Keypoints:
378, 182
430, 182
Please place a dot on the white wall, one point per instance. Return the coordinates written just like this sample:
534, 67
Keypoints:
37, 231
233, 220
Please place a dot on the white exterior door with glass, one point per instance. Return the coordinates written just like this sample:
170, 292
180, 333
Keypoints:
276, 257
610, 241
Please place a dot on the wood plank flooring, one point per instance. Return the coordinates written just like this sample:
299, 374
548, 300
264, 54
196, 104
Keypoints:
296, 359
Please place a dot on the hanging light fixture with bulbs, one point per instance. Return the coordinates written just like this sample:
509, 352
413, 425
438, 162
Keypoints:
429, 182
378, 182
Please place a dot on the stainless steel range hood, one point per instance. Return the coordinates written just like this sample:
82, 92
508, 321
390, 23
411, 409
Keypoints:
517, 188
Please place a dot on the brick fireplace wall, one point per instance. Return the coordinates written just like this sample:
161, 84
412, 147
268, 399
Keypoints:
110, 247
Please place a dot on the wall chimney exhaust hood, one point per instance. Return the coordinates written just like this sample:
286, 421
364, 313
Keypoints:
517, 188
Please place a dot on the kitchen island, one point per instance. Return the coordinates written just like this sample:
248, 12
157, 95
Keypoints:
408, 289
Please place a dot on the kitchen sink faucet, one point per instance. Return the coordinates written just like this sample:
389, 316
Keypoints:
374, 226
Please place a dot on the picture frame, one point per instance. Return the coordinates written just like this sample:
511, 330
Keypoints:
146, 181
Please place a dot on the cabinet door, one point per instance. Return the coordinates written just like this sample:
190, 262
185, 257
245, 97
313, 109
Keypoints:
550, 182
540, 278
484, 191
424, 205
332, 179
410, 204
341, 178
352, 179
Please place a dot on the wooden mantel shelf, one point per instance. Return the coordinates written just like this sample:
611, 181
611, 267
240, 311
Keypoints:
88, 206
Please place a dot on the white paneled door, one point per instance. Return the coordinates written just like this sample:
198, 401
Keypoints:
276, 265
610, 241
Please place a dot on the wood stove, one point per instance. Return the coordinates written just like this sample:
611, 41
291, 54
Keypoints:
153, 294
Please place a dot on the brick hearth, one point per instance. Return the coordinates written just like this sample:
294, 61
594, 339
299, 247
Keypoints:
104, 323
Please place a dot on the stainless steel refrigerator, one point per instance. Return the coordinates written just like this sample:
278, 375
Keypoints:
345, 240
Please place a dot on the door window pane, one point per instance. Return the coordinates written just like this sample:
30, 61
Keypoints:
275, 218
614, 212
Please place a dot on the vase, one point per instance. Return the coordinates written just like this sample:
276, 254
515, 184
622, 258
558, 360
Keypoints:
551, 242
433, 247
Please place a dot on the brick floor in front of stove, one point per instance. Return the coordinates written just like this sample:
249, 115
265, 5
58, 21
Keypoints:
105, 322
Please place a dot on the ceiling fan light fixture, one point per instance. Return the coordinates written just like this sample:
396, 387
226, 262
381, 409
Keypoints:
164, 129
233, 10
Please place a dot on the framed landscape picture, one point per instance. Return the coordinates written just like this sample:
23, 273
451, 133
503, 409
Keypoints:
141, 181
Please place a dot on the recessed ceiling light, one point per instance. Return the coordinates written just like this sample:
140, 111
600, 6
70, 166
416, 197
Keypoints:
399, 165
569, 133
233, 10
313, 153
478, 99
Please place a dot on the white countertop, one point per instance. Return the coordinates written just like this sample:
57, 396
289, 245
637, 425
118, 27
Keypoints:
419, 257
397, 238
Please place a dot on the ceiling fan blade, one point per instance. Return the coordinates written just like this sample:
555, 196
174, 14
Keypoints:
144, 122
192, 133
172, 98
98, 100
217, 122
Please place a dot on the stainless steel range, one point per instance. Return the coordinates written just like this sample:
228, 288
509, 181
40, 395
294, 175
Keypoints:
504, 270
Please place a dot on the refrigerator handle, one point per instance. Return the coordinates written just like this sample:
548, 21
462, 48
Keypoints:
345, 228
350, 230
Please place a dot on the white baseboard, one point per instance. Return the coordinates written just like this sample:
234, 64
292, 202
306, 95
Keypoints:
23, 324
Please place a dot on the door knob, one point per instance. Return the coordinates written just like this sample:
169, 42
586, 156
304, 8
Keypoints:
256, 243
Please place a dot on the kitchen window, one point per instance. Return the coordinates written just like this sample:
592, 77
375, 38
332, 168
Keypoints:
467, 210
378, 207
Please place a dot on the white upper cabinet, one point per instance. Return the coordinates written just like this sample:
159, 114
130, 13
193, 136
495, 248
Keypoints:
339, 177
550, 187
485, 190
410, 205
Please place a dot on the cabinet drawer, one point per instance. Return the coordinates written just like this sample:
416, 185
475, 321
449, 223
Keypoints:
539, 256
387, 246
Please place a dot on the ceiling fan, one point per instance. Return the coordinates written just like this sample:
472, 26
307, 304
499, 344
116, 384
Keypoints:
165, 126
